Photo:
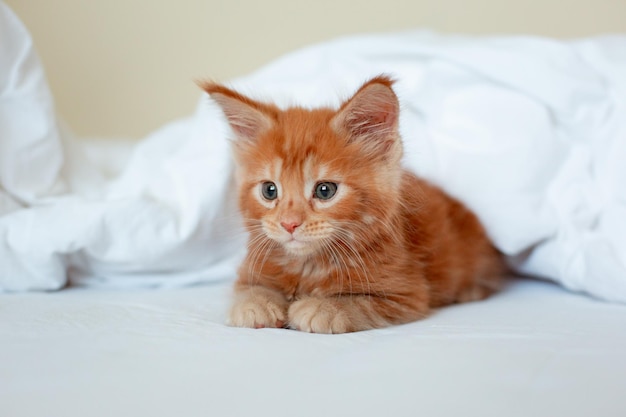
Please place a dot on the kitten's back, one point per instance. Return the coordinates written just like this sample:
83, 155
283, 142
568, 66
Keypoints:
449, 243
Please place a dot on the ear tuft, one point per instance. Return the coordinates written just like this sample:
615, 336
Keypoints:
248, 118
371, 116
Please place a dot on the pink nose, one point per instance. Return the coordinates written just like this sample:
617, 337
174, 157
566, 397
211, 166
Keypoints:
289, 226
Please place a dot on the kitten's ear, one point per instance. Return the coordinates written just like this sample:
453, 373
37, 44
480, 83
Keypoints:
248, 118
371, 116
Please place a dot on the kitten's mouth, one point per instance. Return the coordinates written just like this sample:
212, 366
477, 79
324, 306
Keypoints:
297, 247
295, 243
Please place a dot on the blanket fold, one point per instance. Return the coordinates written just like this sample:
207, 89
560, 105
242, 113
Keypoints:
530, 133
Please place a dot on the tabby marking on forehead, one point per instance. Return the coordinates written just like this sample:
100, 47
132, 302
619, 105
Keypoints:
277, 169
312, 173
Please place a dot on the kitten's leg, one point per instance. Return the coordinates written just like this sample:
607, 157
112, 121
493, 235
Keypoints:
351, 313
258, 307
485, 282
475, 292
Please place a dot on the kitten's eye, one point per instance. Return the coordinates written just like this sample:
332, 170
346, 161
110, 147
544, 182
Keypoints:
269, 190
325, 190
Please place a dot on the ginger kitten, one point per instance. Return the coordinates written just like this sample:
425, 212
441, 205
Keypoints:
342, 238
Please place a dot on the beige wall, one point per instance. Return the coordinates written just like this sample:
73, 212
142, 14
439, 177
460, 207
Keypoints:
125, 67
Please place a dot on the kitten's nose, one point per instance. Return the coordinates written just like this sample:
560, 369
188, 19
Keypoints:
290, 226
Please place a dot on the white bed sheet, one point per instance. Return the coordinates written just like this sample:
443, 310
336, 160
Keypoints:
532, 350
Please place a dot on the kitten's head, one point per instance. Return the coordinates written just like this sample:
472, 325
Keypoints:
311, 178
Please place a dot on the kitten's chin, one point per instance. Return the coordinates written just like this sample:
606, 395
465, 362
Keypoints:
298, 248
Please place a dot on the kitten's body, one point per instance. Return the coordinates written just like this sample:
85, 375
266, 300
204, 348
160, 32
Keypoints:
385, 248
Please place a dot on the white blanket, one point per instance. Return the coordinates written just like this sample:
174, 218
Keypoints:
530, 133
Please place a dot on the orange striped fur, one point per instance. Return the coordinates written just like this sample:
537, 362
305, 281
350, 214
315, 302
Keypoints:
385, 248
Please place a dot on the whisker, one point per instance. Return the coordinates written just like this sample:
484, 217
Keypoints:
357, 255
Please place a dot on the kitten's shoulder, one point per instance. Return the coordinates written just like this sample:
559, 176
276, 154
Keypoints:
424, 202
417, 191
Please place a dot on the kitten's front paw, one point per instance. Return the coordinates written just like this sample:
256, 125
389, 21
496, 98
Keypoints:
258, 307
319, 315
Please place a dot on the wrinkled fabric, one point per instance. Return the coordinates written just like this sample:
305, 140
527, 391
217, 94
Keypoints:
530, 133
531, 350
